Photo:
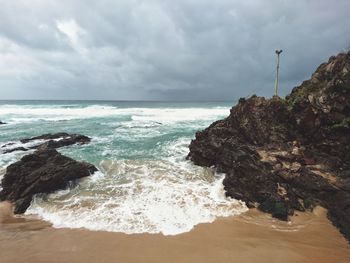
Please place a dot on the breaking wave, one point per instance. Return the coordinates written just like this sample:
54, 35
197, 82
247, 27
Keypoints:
140, 196
24, 113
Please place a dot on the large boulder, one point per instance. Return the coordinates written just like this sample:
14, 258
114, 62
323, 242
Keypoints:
43, 171
282, 155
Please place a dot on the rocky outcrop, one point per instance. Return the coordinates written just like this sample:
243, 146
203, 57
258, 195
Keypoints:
43, 171
52, 141
282, 155
2, 122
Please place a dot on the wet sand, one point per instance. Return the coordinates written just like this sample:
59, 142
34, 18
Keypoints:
250, 237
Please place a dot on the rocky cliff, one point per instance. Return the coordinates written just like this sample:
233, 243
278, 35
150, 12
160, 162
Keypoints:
282, 155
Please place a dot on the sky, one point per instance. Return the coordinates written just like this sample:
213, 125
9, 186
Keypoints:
164, 49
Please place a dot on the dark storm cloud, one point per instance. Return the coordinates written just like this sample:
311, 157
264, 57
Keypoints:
185, 49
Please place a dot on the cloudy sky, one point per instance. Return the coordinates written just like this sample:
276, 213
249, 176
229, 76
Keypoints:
163, 49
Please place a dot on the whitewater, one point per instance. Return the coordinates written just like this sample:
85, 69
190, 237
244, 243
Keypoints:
144, 183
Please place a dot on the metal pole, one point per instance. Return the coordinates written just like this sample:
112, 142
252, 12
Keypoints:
278, 52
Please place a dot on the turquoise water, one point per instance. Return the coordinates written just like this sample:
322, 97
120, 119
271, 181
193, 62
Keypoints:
144, 183
120, 129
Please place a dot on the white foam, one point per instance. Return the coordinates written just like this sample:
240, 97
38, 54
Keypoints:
42, 112
2, 173
178, 115
9, 158
19, 114
15, 144
140, 197
138, 125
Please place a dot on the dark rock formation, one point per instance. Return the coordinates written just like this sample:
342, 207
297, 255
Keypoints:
52, 141
286, 155
43, 171
2, 122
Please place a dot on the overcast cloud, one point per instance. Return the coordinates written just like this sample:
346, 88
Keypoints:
163, 50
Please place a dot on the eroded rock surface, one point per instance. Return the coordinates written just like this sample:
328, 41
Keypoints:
282, 155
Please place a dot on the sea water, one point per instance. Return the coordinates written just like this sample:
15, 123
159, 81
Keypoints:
144, 183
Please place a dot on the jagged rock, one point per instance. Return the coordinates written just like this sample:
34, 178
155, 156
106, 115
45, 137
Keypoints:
43, 171
285, 155
52, 141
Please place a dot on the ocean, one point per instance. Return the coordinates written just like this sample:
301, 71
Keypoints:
144, 183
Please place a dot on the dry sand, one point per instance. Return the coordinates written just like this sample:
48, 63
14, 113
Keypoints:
251, 237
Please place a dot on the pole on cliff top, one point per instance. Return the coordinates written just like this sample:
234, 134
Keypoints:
278, 52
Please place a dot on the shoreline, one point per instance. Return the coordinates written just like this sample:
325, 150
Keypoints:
250, 237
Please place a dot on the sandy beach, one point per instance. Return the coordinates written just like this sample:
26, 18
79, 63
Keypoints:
250, 237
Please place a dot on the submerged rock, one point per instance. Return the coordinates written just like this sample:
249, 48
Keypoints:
16, 149
43, 171
52, 141
286, 155
62, 138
